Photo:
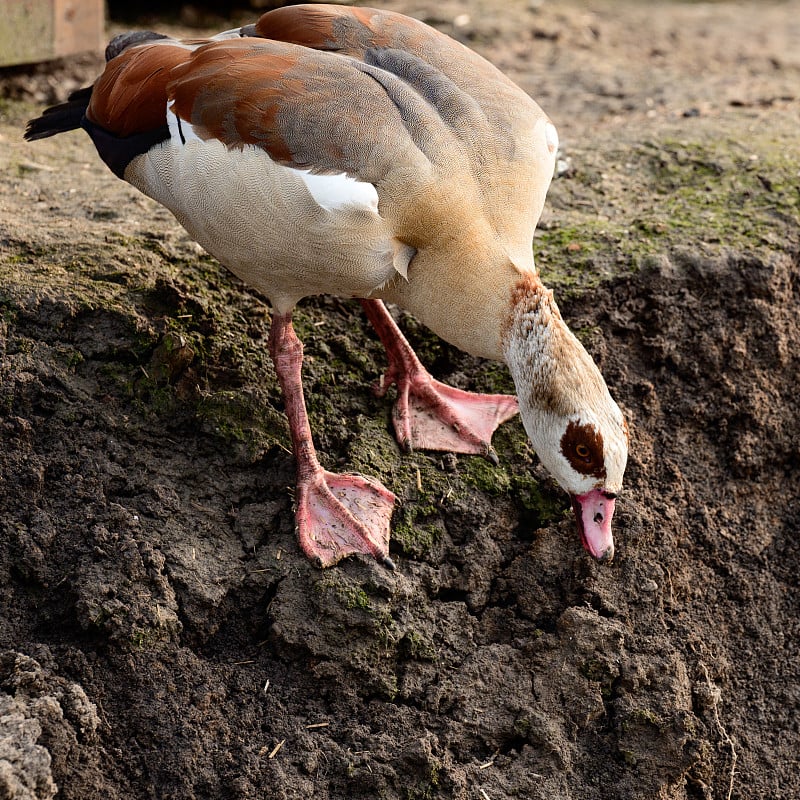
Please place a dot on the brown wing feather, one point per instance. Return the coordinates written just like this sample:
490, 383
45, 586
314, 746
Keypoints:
327, 27
331, 113
491, 116
473, 97
233, 90
307, 109
130, 96
353, 31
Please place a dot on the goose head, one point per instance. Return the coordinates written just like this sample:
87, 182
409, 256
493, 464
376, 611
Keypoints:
576, 428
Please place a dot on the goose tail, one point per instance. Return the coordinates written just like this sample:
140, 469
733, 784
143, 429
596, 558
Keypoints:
63, 117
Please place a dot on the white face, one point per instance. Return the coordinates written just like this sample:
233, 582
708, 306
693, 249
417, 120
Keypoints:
575, 426
582, 452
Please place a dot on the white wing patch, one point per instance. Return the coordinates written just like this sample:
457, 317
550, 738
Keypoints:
551, 137
180, 131
333, 192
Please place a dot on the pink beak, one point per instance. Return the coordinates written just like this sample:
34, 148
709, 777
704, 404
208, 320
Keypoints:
593, 511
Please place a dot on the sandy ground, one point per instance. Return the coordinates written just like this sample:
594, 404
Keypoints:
161, 635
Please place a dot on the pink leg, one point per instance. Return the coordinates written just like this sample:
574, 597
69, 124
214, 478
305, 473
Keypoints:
337, 515
428, 414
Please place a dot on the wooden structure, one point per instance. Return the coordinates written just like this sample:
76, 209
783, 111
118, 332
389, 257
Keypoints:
38, 30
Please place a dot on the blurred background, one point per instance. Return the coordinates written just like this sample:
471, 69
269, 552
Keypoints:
37, 30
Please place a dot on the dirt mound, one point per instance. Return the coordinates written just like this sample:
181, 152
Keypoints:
172, 597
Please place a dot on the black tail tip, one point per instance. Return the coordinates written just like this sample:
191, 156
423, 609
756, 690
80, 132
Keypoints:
60, 118
38, 128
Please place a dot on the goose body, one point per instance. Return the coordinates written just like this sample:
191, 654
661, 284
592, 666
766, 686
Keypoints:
362, 153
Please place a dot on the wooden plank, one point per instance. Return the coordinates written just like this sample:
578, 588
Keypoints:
78, 26
26, 34
39, 30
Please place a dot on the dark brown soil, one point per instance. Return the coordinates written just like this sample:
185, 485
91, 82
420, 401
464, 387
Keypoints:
162, 636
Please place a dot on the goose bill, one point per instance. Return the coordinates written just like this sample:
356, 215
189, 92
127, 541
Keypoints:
593, 512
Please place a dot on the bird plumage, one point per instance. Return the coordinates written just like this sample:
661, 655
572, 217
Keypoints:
362, 153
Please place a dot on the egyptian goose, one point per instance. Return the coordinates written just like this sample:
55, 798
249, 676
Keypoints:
362, 153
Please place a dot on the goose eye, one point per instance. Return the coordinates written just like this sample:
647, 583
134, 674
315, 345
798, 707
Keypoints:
582, 446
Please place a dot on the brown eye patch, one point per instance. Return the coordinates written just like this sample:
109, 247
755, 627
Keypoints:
582, 446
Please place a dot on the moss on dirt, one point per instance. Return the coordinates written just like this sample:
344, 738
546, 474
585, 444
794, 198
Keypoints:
350, 594
417, 529
366, 621
245, 418
718, 193
416, 644
426, 490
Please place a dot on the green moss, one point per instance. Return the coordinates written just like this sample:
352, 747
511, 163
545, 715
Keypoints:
581, 255
350, 595
494, 378
8, 307
523, 727
600, 671
543, 506
72, 358
417, 529
420, 791
415, 644
145, 638
356, 597
150, 398
514, 479
642, 717
721, 192
417, 525
485, 476
243, 417
366, 622
428, 786
648, 198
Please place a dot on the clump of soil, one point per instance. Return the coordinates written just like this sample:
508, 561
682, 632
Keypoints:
162, 635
